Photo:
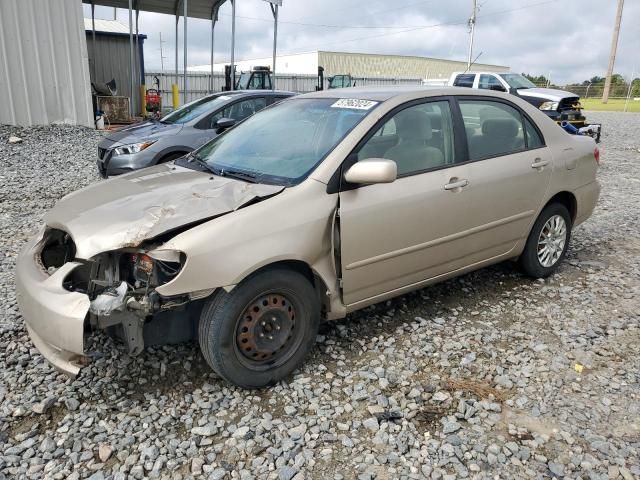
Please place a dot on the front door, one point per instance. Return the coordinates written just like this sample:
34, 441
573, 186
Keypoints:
399, 234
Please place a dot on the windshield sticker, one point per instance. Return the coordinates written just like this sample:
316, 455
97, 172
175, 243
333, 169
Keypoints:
354, 103
225, 97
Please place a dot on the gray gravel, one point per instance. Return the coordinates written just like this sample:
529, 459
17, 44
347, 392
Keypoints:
473, 378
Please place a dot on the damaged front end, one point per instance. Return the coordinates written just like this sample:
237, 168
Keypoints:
62, 297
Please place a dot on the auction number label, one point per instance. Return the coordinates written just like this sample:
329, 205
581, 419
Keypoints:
354, 103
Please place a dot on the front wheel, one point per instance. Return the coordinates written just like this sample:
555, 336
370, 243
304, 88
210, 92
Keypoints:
548, 241
262, 330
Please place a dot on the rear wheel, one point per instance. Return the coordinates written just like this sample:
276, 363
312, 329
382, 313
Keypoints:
262, 330
548, 241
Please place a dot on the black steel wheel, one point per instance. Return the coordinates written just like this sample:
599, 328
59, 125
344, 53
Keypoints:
262, 330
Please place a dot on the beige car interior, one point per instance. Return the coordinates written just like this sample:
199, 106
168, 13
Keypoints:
414, 138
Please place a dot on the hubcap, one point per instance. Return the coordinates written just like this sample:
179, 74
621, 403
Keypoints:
552, 240
266, 327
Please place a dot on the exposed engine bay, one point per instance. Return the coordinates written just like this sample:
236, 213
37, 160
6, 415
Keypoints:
120, 286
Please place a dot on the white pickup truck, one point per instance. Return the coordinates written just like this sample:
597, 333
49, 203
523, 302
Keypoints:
563, 107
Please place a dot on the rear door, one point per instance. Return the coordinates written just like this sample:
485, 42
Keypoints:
509, 173
398, 234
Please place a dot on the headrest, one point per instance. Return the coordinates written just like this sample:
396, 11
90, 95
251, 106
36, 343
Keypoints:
436, 120
412, 124
500, 128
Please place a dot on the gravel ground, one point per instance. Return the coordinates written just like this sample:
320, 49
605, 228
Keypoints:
491, 375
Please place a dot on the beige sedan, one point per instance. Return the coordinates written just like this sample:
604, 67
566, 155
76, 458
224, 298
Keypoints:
309, 210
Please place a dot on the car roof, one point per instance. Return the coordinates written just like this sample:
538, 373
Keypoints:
244, 93
384, 93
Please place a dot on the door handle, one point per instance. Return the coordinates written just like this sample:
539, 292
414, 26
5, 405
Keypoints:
456, 184
539, 164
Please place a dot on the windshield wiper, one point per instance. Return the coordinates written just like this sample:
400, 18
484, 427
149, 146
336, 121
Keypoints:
194, 157
240, 175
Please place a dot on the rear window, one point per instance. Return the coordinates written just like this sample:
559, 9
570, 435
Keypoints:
464, 80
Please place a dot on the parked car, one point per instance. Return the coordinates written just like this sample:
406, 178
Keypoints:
179, 132
309, 210
559, 105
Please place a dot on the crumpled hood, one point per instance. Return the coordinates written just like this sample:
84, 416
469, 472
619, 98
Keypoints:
148, 130
546, 93
124, 211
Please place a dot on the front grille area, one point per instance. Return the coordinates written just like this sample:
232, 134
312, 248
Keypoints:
569, 103
101, 153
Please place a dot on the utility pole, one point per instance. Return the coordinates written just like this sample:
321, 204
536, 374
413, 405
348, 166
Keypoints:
472, 25
161, 55
612, 54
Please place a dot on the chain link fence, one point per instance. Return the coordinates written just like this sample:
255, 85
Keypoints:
595, 90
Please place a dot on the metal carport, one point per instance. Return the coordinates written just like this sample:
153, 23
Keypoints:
204, 9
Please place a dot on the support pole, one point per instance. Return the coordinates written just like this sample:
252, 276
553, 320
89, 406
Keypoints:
274, 10
139, 66
132, 66
93, 40
214, 17
184, 54
233, 44
174, 88
472, 26
612, 54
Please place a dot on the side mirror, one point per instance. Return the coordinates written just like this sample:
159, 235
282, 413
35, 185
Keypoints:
224, 123
372, 170
497, 88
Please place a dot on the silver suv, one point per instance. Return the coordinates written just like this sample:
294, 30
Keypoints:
180, 132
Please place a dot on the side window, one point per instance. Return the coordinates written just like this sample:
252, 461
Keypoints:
244, 108
416, 138
464, 80
533, 137
490, 82
239, 110
493, 128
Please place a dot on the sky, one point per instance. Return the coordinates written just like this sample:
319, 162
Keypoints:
566, 39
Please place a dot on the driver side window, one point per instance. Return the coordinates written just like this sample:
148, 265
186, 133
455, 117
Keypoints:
417, 138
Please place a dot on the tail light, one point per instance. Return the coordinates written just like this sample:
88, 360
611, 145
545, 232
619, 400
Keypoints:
596, 155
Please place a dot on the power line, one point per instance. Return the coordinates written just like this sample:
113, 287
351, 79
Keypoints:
405, 27
420, 27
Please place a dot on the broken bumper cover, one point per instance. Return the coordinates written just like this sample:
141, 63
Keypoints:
53, 315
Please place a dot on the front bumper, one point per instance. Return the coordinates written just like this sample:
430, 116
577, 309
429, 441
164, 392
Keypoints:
54, 316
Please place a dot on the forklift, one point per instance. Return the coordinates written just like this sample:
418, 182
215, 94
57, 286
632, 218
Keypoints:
258, 78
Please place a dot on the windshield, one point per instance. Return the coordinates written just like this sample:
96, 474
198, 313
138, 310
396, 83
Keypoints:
192, 110
243, 81
516, 80
283, 144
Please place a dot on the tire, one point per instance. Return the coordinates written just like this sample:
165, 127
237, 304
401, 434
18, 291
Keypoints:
262, 330
535, 261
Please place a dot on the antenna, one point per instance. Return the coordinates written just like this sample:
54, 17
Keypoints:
472, 63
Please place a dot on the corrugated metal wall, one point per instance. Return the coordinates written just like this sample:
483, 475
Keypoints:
44, 74
371, 65
112, 62
199, 83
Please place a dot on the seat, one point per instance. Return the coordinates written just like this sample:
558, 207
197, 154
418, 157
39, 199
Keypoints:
412, 153
499, 137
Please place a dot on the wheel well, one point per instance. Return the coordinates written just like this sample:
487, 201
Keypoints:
174, 154
304, 269
568, 200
